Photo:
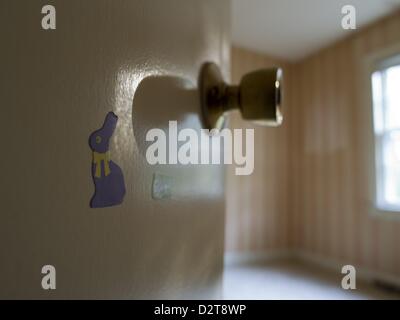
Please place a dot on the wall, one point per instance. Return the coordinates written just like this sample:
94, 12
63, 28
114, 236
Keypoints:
331, 156
257, 205
56, 88
310, 191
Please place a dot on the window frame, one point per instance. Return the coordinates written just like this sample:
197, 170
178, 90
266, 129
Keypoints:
376, 61
380, 138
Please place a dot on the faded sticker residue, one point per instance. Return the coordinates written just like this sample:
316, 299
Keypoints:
162, 187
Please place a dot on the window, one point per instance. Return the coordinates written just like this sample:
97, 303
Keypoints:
386, 115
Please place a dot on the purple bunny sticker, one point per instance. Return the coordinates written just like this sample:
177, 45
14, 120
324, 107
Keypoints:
107, 175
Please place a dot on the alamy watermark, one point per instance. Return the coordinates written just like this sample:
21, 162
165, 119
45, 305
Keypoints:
349, 20
188, 146
349, 280
49, 279
49, 18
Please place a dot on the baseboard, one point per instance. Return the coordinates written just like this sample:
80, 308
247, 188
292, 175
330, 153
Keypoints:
364, 274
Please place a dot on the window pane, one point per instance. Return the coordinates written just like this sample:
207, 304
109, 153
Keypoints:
392, 98
391, 168
386, 114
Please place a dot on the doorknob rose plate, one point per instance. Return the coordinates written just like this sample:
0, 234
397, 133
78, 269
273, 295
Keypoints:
258, 97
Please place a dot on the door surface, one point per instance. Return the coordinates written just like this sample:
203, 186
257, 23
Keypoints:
141, 60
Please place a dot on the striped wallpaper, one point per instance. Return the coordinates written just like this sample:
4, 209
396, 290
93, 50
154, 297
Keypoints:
311, 187
330, 152
257, 205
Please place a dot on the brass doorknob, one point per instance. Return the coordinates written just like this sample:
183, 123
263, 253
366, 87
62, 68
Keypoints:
258, 97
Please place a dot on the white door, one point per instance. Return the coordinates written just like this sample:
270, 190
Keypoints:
140, 60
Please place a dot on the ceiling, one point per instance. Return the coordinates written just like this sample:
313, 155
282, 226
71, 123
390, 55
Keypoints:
292, 29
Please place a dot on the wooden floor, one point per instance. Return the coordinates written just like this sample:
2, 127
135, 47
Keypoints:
290, 279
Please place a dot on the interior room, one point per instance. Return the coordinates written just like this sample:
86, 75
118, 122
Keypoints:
311, 208
200, 149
